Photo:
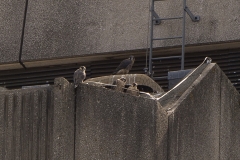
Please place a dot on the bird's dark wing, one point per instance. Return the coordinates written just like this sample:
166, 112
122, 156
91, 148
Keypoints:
123, 65
79, 76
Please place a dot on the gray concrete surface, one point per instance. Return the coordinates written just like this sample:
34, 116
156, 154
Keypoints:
11, 17
114, 125
204, 119
169, 98
230, 121
68, 28
194, 120
63, 120
24, 124
201, 122
73, 28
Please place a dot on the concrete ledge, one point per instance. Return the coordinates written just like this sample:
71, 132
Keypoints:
204, 119
171, 96
140, 79
113, 125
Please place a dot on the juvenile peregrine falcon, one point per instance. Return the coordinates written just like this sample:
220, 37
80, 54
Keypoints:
120, 84
125, 66
133, 90
79, 75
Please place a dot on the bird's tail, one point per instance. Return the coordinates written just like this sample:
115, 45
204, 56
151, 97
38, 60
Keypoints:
75, 86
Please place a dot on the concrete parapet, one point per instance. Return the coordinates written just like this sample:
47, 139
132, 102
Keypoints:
25, 123
171, 96
114, 125
198, 119
204, 117
63, 120
230, 120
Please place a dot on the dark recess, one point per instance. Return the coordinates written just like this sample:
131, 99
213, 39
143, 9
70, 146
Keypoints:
228, 60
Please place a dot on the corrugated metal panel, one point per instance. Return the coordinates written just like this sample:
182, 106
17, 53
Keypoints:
228, 60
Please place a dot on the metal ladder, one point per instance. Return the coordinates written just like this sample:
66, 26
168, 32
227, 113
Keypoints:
156, 20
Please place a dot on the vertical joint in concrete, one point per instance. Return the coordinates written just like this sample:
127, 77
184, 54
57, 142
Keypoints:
63, 120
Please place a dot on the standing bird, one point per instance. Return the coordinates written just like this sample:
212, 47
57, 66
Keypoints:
120, 84
125, 66
133, 90
79, 76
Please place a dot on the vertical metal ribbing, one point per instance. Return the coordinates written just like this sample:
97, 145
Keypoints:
151, 40
183, 35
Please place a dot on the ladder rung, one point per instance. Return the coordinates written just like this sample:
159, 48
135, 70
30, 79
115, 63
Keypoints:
171, 57
160, 78
166, 38
157, 19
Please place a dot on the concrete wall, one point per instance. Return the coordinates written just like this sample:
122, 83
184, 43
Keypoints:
99, 123
204, 120
37, 123
11, 17
25, 122
230, 121
114, 125
55, 29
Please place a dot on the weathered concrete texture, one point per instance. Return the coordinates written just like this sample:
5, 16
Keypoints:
11, 18
140, 79
171, 96
24, 124
204, 120
114, 125
63, 120
230, 121
69, 28
219, 21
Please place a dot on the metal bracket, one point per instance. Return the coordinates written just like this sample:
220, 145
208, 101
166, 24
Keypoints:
156, 20
194, 18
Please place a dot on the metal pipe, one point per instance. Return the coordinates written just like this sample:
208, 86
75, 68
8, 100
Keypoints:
183, 35
151, 40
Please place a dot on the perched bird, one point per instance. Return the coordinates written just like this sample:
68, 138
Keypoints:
133, 90
125, 66
79, 76
207, 60
120, 84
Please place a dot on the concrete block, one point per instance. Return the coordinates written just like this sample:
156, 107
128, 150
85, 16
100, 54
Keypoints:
170, 97
195, 117
24, 132
230, 120
63, 120
114, 125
